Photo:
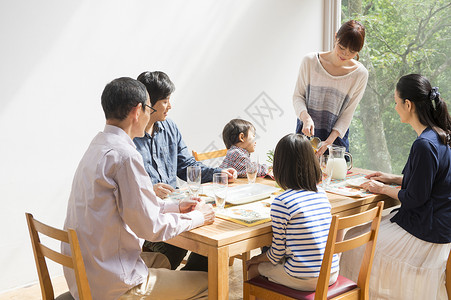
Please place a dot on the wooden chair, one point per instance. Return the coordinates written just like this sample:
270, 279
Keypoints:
343, 288
75, 261
209, 155
448, 276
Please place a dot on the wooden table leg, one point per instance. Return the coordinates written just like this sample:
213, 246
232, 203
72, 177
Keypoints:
218, 273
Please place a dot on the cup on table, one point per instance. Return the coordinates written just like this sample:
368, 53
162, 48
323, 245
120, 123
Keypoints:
220, 183
327, 169
193, 178
252, 168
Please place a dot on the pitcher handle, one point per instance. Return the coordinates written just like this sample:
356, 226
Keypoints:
349, 163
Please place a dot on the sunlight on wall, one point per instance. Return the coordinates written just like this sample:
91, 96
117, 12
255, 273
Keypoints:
226, 58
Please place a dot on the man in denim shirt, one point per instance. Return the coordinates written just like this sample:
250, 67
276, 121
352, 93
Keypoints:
166, 157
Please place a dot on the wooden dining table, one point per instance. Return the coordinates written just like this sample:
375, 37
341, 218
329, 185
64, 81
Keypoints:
224, 239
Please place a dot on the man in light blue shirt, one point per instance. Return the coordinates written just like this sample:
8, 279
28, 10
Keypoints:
167, 157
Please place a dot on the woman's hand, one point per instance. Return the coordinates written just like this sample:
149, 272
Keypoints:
162, 190
384, 177
373, 186
329, 141
308, 127
322, 148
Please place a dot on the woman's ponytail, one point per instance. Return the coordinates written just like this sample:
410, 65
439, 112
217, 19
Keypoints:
441, 117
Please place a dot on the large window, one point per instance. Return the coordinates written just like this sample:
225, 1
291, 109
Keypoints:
402, 37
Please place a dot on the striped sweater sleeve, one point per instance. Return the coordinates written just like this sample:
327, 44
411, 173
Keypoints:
279, 219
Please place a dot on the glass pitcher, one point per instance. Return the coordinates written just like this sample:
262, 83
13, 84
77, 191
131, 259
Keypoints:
337, 156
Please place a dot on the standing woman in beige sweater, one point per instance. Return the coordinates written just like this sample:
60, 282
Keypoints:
329, 87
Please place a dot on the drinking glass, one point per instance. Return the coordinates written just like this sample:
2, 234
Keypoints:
220, 182
252, 168
327, 168
193, 177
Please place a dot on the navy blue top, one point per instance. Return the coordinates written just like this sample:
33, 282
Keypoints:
425, 193
166, 156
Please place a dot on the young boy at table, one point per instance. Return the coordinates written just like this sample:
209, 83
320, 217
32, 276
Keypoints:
300, 220
239, 138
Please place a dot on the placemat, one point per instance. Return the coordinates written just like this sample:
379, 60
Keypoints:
249, 214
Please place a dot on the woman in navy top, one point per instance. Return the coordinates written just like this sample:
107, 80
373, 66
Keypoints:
415, 240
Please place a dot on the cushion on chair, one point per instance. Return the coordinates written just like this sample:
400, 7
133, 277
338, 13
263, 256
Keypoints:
342, 285
65, 296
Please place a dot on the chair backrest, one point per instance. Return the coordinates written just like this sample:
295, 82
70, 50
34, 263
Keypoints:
333, 246
75, 261
209, 155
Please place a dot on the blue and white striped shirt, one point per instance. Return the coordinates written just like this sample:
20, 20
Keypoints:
300, 226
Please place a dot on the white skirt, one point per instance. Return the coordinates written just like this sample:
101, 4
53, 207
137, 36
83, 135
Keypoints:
404, 266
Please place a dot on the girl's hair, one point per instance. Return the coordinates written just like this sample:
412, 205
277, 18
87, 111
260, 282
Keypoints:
295, 164
352, 35
232, 130
430, 108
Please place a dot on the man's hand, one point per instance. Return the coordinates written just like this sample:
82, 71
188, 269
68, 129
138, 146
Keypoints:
162, 190
208, 212
188, 204
232, 174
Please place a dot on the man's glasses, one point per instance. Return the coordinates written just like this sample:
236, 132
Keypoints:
152, 110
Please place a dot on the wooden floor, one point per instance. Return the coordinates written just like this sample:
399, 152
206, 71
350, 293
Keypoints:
59, 283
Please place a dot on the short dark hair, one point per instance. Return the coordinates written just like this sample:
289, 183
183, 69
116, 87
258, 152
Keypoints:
232, 130
295, 164
351, 35
121, 95
158, 85
430, 108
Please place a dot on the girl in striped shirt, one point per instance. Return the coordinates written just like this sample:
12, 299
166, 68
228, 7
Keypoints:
300, 220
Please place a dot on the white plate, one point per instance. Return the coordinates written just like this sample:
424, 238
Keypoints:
356, 182
249, 192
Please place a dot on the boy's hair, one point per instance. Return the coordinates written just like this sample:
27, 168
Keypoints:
158, 85
295, 164
120, 96
232, 130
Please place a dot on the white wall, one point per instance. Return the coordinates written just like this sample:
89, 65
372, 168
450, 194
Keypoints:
226, 59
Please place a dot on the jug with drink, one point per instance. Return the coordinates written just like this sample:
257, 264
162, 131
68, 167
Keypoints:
338, 162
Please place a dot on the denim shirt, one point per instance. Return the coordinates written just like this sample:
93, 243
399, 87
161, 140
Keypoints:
166, 156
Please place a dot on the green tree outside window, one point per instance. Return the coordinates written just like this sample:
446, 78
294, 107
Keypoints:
402, 37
